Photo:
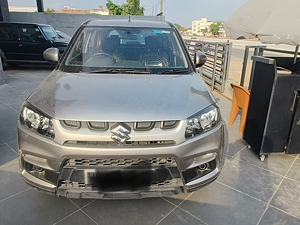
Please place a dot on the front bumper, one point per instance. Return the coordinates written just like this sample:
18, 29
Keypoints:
46, 166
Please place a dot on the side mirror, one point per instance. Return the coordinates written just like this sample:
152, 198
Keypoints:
199, 59
51, 54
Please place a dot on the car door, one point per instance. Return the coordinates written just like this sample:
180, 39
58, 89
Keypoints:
8, 41
32, 43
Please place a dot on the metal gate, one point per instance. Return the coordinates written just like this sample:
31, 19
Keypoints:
215, 70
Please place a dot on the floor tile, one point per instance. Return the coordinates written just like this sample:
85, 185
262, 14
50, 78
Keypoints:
82, 202
235, 145
287, 198
77, 218
13, 145
33, 207
144, 211
217, 204
10, 180
227, 158
8, 135
233, 131
277, 163
249, 179
276, 217
177, 199
178, 216
7, 154
294, 172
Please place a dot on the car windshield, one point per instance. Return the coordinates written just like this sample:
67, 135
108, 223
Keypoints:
129, 50
49, 32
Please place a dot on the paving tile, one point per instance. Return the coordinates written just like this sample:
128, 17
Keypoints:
235, 145
9, 116
16, 107
177, 199
77, 218
144, 211
33, 207
249, 179
7, 154
227, 158
217, 204
233, 131
287, 198
8, 135
178, 216
277, 217
81, 202
11, 181
277, 163
13, 145
7, 92
294, 171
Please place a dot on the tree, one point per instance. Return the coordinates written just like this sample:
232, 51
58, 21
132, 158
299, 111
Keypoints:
204, 31
48, 10
215, 27
180, 28
114, 9
132, 7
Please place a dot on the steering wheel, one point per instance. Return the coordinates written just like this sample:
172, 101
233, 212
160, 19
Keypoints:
100, 58
102, 55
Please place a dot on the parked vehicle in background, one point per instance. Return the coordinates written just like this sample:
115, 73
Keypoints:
26, 42
123, 115
63, 35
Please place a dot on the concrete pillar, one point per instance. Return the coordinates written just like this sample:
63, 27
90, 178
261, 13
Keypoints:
4, 12
40, 5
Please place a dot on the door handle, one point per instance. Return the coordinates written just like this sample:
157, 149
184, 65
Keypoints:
20, 45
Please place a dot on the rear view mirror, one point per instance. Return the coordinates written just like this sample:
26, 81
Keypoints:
199, 59
51, 54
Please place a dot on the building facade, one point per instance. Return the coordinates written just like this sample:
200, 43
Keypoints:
199, 25
69, 10
21, 9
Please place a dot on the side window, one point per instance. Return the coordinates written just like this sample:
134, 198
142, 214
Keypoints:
6, 33
29, 34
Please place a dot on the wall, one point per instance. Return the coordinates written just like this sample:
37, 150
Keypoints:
68, 23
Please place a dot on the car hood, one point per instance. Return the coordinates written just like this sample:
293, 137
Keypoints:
121, 97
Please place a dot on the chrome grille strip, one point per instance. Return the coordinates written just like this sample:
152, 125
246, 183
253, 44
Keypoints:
101, 162
104, 126
103, 144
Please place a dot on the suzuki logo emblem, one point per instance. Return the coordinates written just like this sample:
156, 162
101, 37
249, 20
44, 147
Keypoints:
120, 133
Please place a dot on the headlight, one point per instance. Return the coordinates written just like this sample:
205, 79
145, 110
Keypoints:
202, 121
36, 121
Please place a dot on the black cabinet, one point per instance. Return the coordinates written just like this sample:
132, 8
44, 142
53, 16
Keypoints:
273, 124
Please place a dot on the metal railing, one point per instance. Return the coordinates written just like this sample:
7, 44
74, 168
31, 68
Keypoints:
258, 51
215, 70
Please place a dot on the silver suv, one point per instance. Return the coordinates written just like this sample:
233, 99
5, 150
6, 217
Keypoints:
123, 115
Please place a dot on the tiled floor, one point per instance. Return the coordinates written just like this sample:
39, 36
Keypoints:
248, 191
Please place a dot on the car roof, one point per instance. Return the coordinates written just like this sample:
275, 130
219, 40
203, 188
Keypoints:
128, 23
24, 23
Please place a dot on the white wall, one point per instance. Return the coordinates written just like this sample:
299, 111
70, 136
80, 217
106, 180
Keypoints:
68, 23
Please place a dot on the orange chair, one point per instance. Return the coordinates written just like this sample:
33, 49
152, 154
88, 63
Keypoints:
240, 100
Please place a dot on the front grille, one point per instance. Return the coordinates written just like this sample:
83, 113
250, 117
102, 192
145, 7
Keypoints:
120, 174
101, 162
166, 183
107, 144
104, 126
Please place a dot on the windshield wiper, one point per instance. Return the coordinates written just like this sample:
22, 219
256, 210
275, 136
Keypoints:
120, 71
173, 71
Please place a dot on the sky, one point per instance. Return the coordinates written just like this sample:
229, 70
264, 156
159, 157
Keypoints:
182, 12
